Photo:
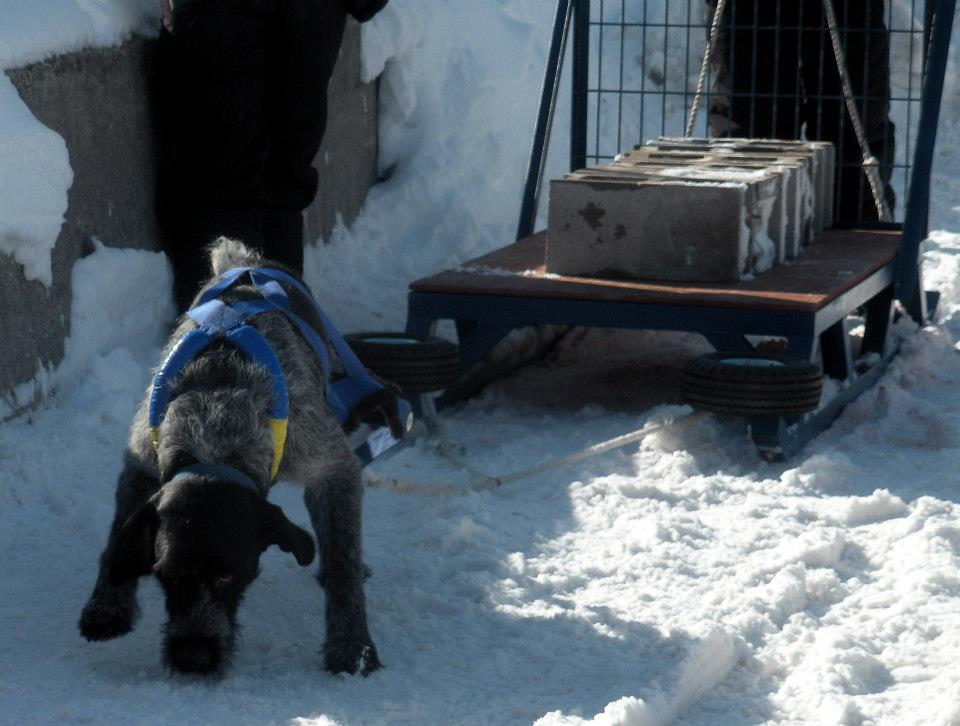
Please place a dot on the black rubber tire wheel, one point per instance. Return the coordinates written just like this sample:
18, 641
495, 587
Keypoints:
752, 384
415, 365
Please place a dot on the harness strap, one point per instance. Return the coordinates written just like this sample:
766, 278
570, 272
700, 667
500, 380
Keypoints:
249, 308
245, 338
358, 384
252, 344
217, 318
341, 395
219, 472
189, 347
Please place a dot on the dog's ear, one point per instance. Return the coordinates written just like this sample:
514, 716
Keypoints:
132, 553
286, 535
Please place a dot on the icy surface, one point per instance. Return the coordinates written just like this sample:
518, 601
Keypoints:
680, 581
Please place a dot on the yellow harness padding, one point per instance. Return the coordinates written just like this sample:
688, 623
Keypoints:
279, 428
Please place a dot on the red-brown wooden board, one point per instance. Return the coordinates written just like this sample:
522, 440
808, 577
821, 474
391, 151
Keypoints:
831, 265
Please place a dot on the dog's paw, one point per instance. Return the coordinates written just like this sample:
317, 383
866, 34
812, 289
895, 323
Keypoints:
103, 620
351, 656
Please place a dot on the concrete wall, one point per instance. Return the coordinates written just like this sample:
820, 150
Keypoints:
99, 101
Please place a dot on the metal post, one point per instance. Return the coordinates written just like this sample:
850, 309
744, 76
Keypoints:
579, 84
541, 136
918, 197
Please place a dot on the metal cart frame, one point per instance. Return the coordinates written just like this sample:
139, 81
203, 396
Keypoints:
811, 314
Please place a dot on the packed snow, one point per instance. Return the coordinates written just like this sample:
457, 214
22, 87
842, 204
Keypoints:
678, 581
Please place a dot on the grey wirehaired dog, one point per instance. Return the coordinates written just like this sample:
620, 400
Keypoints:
201, 534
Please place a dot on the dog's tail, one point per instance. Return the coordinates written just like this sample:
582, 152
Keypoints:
225, 254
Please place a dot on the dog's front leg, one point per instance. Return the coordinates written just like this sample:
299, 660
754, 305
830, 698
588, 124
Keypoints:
112, 608
334, 504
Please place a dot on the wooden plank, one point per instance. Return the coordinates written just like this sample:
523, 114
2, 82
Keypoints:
831, 265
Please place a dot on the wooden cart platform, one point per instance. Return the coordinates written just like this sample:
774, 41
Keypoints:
832, 265
806, 300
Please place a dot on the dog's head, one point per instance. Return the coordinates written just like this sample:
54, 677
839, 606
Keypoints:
202, 538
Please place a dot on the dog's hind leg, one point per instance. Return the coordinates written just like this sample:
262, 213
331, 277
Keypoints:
112, 608
334, 501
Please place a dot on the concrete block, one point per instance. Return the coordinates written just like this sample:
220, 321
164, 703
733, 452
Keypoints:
819, 172
818, 158
640, 228
657, 213
822, 161
768, 215
820, 167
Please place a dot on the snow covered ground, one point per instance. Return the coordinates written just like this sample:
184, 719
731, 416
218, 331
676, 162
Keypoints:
680, 581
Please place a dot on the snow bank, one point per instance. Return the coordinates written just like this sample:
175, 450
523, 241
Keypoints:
32, 31
458, 100
35, 173
122, 308
35, 176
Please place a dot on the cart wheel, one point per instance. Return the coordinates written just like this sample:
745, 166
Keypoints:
416, 365
751, 384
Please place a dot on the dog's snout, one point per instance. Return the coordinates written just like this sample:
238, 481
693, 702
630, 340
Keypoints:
195, 655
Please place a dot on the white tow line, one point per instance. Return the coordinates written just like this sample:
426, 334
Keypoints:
483, 482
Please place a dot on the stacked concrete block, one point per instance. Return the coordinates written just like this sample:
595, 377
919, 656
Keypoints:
624, 226
692, 210
766, 208
816, 157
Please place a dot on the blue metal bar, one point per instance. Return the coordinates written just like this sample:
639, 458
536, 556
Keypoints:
853, 298
918, 198
541, 135
580, 82
835, 351
521, 311
420, 327
801, 346
877, 324
477, 338
778, 439
729, 343
598, 122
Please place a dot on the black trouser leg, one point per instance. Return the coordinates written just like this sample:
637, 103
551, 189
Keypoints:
245, 107
778, 65
758, 48
303, 40
865, 42
213, 108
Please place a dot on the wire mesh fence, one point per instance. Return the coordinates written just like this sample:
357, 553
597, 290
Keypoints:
773, 75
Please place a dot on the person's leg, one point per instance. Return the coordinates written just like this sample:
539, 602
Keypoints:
865, 42
756, 61
212, 108
304, 39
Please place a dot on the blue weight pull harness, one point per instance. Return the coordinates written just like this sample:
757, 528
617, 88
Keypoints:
217, 319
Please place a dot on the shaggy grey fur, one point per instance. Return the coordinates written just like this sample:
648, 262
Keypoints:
202, 537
